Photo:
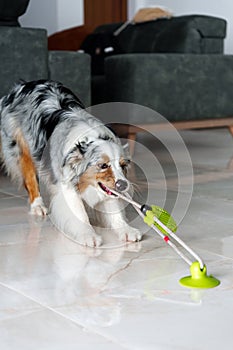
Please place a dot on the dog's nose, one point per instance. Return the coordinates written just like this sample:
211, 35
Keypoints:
121, 185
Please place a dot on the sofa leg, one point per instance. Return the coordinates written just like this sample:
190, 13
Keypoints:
132, 138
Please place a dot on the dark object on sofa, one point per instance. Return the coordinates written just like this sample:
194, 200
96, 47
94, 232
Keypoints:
24, 55
99, 46
10, 10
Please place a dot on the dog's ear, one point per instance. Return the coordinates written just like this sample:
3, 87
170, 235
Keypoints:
73, 160
83, 145
77, 152
72, 157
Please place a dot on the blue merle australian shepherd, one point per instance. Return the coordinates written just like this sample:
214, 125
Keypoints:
43, 122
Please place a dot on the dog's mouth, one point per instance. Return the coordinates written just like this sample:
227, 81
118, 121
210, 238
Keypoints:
106, 190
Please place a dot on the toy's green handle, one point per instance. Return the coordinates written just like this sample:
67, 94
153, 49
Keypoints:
162, 215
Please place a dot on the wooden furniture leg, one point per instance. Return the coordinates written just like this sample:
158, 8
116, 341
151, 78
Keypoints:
132, 139
231, 129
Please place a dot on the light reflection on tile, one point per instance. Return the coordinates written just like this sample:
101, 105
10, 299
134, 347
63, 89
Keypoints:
56, 294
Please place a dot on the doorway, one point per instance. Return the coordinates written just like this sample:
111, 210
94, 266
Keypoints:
96, 12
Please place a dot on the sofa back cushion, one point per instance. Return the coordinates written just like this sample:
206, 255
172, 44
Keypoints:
23, 55
184, 34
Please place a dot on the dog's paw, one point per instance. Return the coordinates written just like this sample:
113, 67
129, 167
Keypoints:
38, 208
90, 239
130, 234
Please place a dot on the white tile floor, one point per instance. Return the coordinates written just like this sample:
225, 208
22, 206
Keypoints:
55, 294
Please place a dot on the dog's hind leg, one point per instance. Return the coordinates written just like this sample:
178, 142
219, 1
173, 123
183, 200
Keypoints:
29, 175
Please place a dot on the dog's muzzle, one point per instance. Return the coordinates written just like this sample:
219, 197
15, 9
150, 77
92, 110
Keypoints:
121, 185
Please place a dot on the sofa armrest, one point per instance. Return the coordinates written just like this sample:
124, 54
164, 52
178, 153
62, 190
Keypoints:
178, 86
23, 55
73, 70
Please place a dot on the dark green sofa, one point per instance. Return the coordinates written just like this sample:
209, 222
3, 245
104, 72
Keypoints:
193, 34
174, 66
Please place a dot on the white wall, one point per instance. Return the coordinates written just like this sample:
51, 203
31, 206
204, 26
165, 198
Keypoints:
54, 15
223, 9
70, 13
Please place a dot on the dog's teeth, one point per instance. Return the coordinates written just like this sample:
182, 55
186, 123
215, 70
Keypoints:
105, 189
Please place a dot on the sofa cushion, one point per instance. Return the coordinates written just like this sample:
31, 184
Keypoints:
178, 86
73, 70
23, 55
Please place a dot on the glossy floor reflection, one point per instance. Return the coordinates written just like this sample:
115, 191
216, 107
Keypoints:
56, 294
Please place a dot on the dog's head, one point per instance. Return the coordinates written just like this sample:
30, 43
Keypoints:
101, 163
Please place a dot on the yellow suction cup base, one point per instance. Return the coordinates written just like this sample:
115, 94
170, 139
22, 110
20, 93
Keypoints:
199, 278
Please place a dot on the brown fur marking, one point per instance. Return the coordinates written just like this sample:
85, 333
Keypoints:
106, 177
92, 176
28, 168
123, 164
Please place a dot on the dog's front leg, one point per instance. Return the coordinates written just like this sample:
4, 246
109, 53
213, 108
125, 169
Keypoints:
69, 215
111, 214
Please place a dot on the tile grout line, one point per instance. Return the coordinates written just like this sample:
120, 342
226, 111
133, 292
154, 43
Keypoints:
62, 315
12, 195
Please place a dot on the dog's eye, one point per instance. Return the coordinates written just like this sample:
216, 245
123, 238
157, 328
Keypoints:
103, 166
124, 165
124, 168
